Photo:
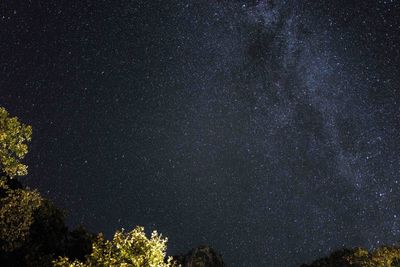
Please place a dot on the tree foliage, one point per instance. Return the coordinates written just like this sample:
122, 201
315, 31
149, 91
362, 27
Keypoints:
14, 137
385, 256
32, 229
129, 249
16, 216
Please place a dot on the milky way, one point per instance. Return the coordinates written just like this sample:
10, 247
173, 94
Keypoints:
266, 129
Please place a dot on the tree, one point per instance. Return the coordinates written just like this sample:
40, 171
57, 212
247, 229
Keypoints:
132, 249
16, 216
385, 256
32, 229
13, 144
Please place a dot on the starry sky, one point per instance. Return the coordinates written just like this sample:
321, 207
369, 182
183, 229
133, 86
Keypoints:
268, 130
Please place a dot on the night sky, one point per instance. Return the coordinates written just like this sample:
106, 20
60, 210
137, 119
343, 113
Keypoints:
269, 130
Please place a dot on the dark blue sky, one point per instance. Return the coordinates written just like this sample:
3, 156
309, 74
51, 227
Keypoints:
266, 129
